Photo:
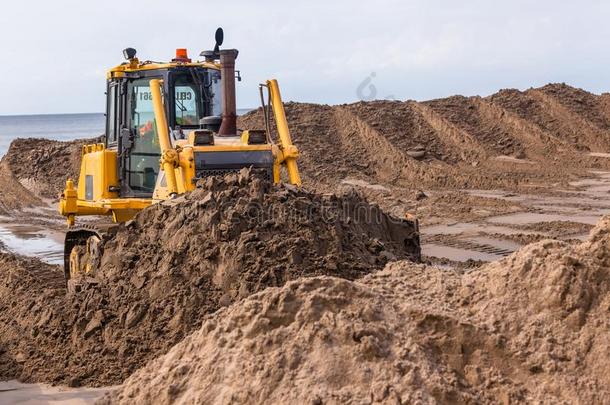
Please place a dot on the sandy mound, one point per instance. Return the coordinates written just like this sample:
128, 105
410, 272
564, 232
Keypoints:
468, 115
31, 295
531, 328
177, 261
36, 169
508, 140
551, 301
568, 116
581, 102
43, 165
321, 340
13, 195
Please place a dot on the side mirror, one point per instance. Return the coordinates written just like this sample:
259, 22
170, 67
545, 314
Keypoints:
126, 138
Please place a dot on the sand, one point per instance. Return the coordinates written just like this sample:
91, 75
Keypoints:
303, 304
531, 328
178, 261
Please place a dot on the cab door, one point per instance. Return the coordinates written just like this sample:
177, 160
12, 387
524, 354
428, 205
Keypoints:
112, 115
142, 163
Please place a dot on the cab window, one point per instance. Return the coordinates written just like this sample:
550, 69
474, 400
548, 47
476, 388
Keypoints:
144, 155
111, 115
216, 93
187, 102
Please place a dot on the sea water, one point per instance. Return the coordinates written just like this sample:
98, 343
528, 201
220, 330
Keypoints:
60, 127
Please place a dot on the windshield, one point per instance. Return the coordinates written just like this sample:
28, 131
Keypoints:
187, 101
196, 94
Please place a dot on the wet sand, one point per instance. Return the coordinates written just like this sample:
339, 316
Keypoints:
479, 240
14, 392
32, 240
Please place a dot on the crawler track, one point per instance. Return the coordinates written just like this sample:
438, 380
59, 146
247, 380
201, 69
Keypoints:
78, 236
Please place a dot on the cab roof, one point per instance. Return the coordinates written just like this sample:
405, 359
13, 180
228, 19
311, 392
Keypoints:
134, 65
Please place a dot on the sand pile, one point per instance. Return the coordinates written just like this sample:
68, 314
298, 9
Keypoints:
31, 295
324, 149
177, 261
531, 328
552, 302
581, 102
569, 116
468, 115
406, 128
13, 195
507, 140
33, 170
43, 165
321, 340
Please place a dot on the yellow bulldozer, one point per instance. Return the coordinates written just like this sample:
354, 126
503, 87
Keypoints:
168, 125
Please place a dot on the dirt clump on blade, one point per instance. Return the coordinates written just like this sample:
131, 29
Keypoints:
184, 258
532, 328
276, 232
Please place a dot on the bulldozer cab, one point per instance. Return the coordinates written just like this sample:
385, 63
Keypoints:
168, 126
192, 99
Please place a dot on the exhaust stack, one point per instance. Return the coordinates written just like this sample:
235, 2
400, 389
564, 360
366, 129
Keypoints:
229, 103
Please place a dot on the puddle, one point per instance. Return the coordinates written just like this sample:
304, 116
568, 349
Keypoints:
362, 183
471, 228
600, 154
457, 254
14, 392
512, 159
29, 240
523, 218
496, 243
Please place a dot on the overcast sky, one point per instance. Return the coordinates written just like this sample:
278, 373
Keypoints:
55, 52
